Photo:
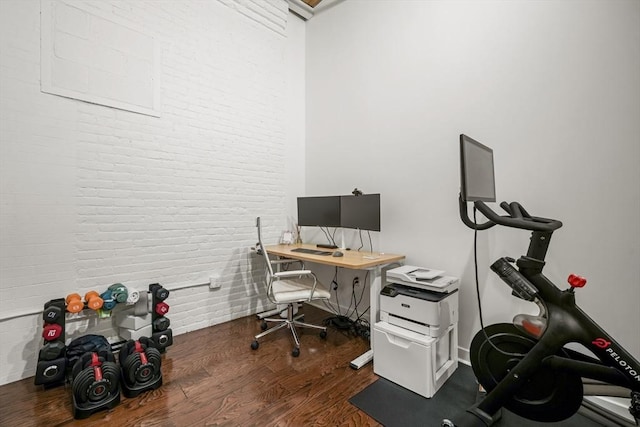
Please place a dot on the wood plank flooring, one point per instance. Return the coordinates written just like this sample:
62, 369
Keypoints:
212, 377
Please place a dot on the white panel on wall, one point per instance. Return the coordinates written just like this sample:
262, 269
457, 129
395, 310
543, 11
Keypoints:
91, 56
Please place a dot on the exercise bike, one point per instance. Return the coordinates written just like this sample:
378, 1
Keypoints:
524, 366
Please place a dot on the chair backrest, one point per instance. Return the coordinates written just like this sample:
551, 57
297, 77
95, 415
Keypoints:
264, 251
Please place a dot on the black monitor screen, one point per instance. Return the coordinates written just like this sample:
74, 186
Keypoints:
323, 211
476, 171
361, 212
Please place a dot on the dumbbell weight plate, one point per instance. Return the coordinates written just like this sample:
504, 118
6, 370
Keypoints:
81, 384
52, 350
50, 371
52, 314
162, 308
51, 331
161, 324
161, 294
163, 339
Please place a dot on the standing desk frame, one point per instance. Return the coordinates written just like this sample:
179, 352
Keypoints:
374, 262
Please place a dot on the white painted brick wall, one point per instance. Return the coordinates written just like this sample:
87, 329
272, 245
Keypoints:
92, 195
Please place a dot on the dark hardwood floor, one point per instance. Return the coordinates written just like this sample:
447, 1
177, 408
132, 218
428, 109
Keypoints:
212, 377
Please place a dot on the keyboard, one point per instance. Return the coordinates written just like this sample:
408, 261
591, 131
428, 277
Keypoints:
311, 251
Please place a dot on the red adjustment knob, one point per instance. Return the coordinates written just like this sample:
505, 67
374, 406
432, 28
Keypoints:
576, 281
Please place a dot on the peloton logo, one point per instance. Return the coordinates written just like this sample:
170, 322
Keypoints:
604, 344
601, 342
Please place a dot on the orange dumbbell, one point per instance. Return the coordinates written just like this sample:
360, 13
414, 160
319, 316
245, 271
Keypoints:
74, 303
93, 300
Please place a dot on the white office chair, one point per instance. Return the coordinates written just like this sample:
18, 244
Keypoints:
289, 287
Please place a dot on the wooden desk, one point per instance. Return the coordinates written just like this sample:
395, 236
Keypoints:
355, 260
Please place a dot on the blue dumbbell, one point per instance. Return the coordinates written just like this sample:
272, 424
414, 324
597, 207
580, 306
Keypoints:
109, 301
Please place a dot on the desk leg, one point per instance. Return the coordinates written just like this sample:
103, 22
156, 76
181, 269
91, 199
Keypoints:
377, 277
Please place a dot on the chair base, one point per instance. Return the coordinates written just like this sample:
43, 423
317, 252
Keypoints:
280, 311
291, 323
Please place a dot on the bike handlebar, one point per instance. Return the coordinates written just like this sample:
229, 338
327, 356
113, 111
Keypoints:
517, 217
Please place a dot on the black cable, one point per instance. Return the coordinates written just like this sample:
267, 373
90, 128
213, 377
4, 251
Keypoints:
353, 302
333, 236
475, 262
358, 316
334, 286
327, 234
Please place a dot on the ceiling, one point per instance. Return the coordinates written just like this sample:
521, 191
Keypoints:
306, 9
312, 3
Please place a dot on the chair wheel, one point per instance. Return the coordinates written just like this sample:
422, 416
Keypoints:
295, 352
323, 334
263, 326
255, 344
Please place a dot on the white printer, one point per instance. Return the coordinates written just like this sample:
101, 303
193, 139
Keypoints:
420, 299
419, 310
416, 339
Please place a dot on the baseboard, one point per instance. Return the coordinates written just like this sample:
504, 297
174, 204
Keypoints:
463, 356
612, 409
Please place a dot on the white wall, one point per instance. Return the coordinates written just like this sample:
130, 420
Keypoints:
553, 87
91, 195
295, 120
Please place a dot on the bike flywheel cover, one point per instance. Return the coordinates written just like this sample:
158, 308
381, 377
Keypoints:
548, 396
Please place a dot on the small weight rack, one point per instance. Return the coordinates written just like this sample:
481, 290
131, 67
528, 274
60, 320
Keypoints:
52, 369
52, 357
162, 334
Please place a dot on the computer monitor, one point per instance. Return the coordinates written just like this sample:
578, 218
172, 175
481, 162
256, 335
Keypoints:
360, 212
321, 211
477, 180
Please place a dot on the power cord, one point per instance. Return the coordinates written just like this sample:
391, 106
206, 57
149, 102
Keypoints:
359, 327
331, 238
475, 264
362, 242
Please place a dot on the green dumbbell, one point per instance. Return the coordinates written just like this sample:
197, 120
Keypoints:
119, 292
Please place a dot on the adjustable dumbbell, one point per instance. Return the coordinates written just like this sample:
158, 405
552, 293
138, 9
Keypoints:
51, 331
74, 303
119, 292
162, 308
